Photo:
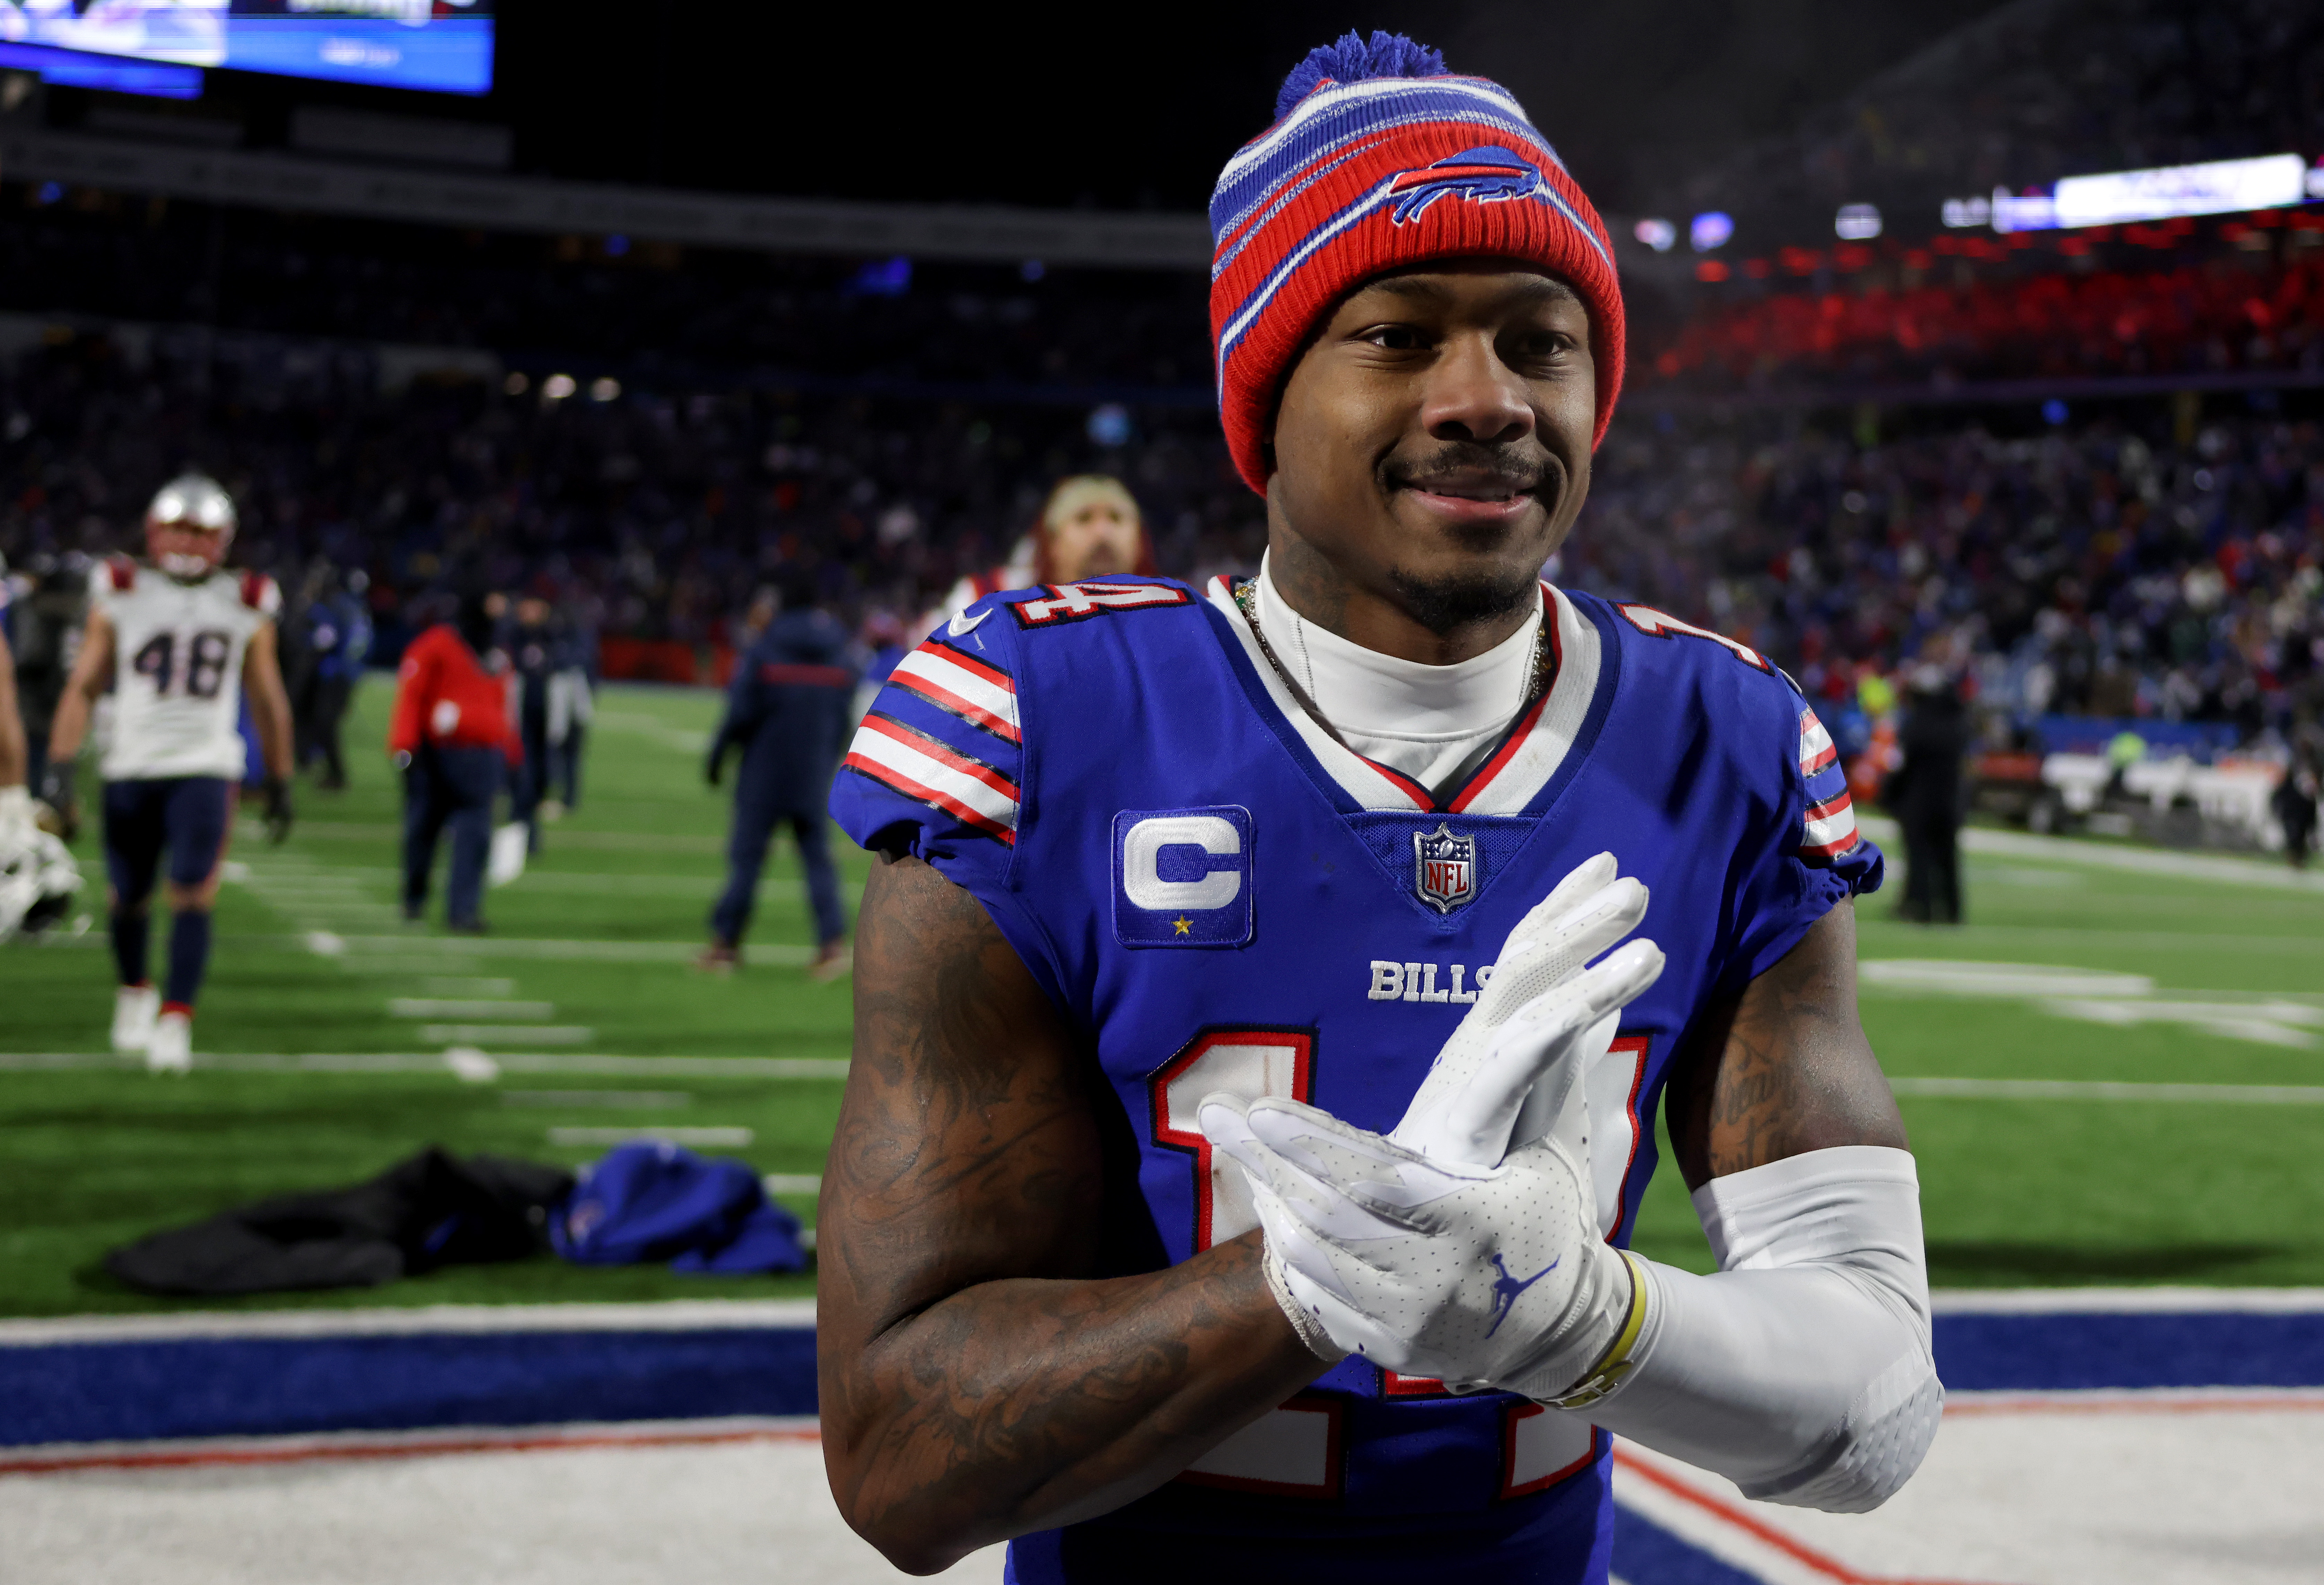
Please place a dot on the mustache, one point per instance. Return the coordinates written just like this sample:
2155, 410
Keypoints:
1471, 462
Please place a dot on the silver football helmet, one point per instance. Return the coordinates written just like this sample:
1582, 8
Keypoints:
190, 502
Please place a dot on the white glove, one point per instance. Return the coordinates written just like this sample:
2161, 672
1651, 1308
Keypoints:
16, 822
1425, 1250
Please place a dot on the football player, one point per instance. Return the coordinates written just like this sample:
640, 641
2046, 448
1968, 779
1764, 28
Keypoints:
178, 637
1256, 1056
1090, 527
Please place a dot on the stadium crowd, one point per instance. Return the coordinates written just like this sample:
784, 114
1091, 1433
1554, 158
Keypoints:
2199, 318
2110, 567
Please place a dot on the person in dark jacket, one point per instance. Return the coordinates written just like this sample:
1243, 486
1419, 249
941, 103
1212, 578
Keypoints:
449, 734
788, 710
535, 652
331, 635
45, 629
2294, 802
1924, 793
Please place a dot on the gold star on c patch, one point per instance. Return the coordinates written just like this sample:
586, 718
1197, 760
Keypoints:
1184, 926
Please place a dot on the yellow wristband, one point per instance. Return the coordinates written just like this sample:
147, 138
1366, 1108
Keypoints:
1614, 1363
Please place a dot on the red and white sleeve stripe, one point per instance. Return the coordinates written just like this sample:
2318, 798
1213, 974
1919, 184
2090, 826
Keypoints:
981, 695
1829, 830
1816, 750
920, 767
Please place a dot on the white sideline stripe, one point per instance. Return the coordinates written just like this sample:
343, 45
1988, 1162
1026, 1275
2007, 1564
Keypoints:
428, 1007
406, 1062
2096, 940
2125, 1301
676, 1315
2103, 1090
612, 842
1978, 838
793, 1182
647, 1100
194, 1449
542, 1034
1965, 977
733, 1138
455, 947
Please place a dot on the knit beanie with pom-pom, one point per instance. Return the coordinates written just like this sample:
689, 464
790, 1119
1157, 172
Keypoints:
1380, 160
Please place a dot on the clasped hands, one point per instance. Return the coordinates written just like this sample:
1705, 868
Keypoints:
1436, 1250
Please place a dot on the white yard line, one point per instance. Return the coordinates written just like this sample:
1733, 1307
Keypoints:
644, 1099
2103, 1090
728, 1138
480, 1034
436, 1006
2274, 875
575, 1064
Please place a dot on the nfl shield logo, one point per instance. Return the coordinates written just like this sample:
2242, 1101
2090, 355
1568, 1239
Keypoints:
1445, 867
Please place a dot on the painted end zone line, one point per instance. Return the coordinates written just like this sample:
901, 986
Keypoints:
409, 1444
1766, 1534
2102, 1090
2200, 1400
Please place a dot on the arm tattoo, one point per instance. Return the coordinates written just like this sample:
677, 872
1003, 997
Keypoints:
978, 1378
1784, 1068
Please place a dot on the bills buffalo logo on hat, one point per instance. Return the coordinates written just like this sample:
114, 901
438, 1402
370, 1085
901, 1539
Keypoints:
1445, 867
1477, 176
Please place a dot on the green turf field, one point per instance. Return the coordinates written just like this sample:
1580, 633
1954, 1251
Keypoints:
589, 953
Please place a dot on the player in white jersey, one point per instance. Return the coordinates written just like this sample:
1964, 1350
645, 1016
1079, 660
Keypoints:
178, 638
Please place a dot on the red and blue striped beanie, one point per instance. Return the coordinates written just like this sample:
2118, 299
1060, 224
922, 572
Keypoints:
1379, 160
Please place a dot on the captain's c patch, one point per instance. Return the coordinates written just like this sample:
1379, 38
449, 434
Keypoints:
1183, 877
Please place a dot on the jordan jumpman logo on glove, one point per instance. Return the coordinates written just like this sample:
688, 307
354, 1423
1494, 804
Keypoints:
1401, 1247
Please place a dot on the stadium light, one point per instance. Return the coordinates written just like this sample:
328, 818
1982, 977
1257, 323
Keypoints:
557, 388
2216, 187
1710, 229
1960, 213
2316, 181
2028, 212
1657, 234
605, 388
1857, 222
516, 384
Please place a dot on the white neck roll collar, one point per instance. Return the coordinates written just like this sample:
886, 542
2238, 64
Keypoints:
1363, 692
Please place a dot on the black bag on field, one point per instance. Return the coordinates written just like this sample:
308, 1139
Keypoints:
433, 1209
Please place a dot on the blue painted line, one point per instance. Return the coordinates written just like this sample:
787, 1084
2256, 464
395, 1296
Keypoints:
1644, 1554
136, 1390
2064, 1352
259, 1386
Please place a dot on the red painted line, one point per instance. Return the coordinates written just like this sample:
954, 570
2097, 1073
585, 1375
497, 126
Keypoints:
214, 1457
1830, 1568
2240, 1404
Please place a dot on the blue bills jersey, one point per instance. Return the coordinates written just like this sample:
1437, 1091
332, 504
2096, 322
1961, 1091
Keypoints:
1223, 897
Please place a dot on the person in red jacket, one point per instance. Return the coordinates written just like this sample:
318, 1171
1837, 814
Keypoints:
450, 736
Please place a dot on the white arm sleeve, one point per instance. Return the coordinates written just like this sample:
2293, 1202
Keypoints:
1802, 1371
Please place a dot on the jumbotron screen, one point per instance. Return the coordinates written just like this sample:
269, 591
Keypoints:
443, 45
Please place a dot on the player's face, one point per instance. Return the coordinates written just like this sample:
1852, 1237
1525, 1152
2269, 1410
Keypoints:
1097, 540
180, 545
1433, 443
